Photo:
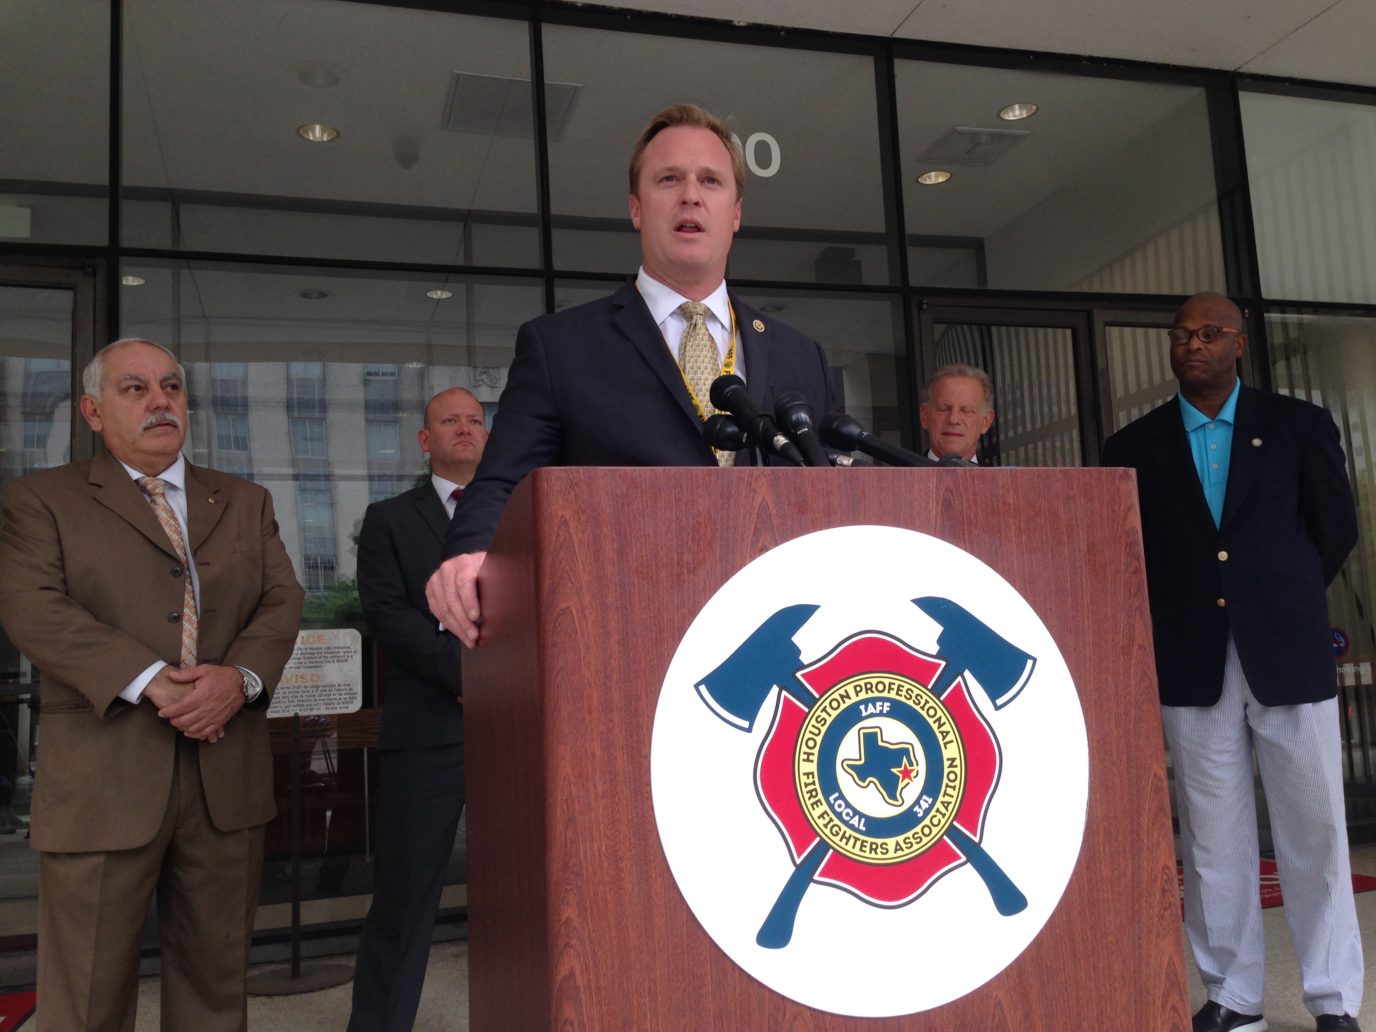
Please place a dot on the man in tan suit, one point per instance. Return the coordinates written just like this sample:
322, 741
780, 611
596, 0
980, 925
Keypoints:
154, 772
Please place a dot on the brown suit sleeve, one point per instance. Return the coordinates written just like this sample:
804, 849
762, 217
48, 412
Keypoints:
41, 617
268, 635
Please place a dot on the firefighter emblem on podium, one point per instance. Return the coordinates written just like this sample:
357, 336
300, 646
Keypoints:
885, 773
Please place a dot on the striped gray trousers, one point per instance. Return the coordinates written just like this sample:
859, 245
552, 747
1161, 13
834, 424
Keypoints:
1298, 754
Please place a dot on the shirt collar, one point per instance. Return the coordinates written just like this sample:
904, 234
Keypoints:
443, 488
937, 458
174, 474
663, 301
1194, 419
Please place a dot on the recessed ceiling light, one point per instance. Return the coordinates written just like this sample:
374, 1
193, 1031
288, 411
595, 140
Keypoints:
935, 177
1015, 112
317, 132
132, 281
313, 294
318, 75
439, 294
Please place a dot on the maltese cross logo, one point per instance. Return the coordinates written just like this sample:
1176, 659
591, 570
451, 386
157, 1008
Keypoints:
878, 769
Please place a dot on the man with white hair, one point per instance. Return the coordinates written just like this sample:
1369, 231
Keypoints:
159, 604
957, 410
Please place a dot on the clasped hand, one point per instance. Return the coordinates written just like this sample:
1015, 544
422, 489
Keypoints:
198, 701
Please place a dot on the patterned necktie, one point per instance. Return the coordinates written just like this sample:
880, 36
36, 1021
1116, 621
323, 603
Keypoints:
156, 490
698, 358
697, 352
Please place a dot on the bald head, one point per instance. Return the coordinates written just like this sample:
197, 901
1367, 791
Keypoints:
1207, 337
454, 434
1219, 304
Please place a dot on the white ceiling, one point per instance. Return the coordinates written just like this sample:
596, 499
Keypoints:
1323, 40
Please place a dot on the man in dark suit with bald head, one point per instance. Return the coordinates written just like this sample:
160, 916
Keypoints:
422, 775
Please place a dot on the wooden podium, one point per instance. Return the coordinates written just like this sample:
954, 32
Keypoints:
575, 921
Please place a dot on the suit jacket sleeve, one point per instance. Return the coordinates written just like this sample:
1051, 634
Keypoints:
596, 386
409, 631
267, 635
1111, 456
526, 435
1330, 512
47, 624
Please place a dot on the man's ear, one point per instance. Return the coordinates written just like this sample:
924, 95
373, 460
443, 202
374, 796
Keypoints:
90, 411
633, 203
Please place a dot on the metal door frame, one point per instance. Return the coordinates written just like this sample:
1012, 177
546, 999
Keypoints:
86, 280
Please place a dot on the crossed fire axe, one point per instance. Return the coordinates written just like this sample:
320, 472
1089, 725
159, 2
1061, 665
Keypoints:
769, 658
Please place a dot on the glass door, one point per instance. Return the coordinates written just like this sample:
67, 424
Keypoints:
46, 322
1038, 360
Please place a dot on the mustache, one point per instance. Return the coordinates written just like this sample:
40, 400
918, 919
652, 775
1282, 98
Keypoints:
160, 419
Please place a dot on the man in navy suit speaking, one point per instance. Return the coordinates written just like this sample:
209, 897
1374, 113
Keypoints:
1247, 515
610, 383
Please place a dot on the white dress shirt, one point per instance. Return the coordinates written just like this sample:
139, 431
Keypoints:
663, 303
174, 476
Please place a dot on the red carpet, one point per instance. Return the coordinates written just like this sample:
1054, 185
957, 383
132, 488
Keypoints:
14, 1009
1270, 885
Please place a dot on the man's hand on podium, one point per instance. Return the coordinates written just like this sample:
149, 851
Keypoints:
452, 593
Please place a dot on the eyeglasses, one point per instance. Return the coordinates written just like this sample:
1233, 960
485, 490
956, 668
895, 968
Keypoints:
1207, 334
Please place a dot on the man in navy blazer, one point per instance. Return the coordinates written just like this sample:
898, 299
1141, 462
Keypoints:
422, 782
600, 385
1247, 515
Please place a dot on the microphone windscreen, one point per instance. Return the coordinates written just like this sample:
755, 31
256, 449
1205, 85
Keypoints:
723, 432
841, 430
723, 388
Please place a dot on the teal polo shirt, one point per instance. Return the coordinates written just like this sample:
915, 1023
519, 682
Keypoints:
1211, 445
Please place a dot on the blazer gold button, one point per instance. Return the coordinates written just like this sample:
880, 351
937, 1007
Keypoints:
1221, 602
1223, 557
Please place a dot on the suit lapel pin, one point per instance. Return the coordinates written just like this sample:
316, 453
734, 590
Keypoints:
211, 500
1256, 442
759, 325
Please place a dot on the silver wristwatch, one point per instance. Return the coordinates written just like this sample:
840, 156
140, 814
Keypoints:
249, 685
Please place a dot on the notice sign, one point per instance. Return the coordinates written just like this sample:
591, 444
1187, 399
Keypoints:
323, 676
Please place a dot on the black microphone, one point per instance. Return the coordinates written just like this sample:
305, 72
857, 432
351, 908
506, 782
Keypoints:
729, 393
794, 415
952, 459
723, 433
845, 432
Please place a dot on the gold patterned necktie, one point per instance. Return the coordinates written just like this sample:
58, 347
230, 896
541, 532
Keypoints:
697, 352
700, 362
156, 490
